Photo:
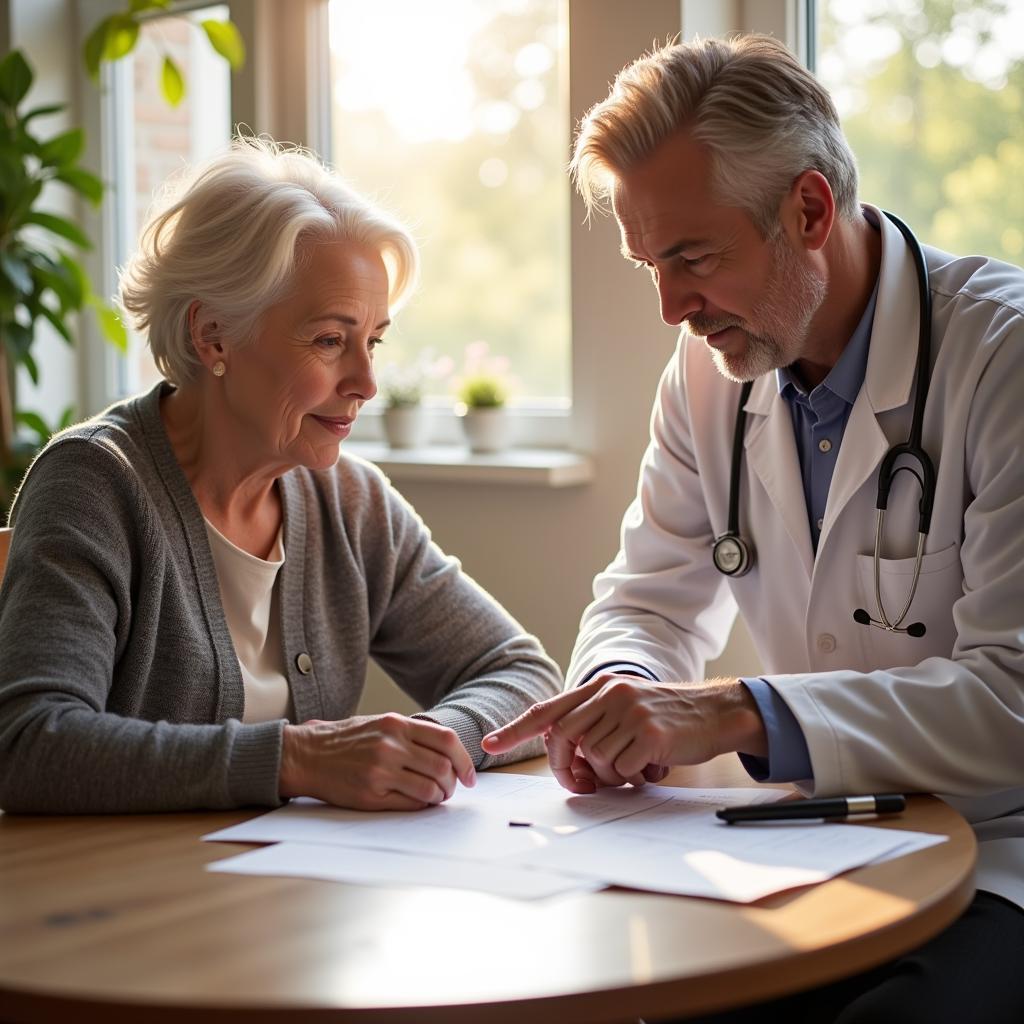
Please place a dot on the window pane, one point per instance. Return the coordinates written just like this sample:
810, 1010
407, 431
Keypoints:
931, 95
162, 139
454, 116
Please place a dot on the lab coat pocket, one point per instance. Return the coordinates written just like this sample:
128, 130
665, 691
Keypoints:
940, 586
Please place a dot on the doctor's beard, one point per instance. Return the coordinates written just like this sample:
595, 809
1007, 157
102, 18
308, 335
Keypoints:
778, 329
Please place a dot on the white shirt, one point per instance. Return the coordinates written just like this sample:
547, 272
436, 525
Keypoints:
249, 594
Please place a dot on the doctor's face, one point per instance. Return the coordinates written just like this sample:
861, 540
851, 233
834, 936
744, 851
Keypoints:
752, 299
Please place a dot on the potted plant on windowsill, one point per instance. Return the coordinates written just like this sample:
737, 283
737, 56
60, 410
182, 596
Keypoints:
405, 420
482, 393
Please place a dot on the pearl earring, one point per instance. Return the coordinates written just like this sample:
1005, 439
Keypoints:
219, 368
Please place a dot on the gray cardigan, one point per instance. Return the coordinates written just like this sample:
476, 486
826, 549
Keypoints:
120, 689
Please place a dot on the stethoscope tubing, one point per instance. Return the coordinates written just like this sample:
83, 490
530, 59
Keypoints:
733, 555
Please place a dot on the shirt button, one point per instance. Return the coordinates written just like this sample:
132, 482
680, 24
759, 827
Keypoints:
821, 523
826, 643
304, 663
824, 445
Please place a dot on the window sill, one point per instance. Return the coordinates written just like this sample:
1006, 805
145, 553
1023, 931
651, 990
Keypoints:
538, 467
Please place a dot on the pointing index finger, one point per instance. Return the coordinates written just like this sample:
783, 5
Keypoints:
535, 721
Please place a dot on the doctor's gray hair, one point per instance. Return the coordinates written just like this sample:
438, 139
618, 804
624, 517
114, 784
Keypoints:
230, 235
763, 117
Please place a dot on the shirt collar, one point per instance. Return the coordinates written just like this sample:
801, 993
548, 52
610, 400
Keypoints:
847, 376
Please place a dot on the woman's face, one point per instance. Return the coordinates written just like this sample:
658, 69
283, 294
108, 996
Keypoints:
295, 390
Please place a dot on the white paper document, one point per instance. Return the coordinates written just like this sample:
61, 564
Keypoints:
680, 847
384, 867
525, 836
473, 824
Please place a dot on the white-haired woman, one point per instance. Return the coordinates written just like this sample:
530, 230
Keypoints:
197, 579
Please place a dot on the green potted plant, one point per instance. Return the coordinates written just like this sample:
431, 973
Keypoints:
40, 278
482, 391
402, 386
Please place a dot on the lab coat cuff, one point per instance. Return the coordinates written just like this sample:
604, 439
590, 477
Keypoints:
622, 668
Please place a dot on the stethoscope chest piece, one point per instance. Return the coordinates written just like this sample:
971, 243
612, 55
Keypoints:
732, 555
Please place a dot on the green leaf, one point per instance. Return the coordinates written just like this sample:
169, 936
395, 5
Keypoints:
16, 271
75, 277
62, 149
83, 182
171, 82
67, 417
59, 226
15, 78
122, 35
111, 325
35, 423
227, 41
137, 6
58, 323
63, 282
50, 108
28, 361
94, 46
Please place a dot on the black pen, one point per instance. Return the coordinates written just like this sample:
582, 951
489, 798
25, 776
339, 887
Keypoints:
827, 807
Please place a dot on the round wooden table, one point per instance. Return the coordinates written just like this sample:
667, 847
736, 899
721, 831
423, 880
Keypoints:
114, 919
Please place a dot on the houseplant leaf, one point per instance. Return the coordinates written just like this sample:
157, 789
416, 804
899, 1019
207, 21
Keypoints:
83, 182
59, 226
111, 325
95, 44
35, 423
121, 37
50, 108
171, 83
227, 41
62, 149
15, 78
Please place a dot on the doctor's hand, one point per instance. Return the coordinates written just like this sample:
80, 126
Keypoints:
618, 729
373, 762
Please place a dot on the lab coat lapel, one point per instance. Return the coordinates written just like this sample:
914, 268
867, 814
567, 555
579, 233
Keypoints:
770, 452
892, 359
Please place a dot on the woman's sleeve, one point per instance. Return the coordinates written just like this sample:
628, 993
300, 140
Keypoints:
66, 617
449, 645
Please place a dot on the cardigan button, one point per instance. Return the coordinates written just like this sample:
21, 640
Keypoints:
304, 663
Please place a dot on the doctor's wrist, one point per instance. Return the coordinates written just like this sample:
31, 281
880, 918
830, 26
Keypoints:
741, 728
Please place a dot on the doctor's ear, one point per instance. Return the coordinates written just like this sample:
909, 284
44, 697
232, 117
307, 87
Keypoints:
810, 209
206, 337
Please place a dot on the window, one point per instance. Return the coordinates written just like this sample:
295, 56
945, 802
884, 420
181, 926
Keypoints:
931, 96
454, 116
148, 141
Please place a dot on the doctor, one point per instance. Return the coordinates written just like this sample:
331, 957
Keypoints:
733, 185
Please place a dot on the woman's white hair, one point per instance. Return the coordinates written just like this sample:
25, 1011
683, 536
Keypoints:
229, 235
764, 118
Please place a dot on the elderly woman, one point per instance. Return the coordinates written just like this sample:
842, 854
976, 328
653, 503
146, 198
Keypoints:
197, 579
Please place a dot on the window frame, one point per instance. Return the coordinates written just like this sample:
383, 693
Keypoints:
269, 97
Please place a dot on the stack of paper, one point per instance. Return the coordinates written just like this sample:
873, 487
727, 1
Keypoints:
524, 836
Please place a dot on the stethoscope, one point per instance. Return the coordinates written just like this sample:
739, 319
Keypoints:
734, 556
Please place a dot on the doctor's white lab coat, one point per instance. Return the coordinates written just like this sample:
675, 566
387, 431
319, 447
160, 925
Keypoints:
881, 711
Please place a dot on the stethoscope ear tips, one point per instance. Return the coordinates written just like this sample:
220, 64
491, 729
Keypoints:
916, 629
861, 616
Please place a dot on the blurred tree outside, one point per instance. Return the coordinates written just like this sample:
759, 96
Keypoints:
931, 95
453, 116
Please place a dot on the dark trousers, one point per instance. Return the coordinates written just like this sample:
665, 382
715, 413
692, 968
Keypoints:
972, 973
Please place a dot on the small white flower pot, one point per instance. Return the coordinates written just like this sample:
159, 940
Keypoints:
405, 426
487, 430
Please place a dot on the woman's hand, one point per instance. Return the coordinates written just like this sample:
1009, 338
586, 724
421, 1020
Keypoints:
374, 762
